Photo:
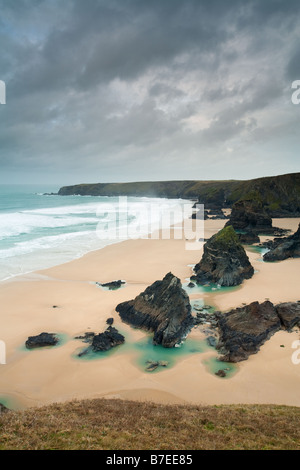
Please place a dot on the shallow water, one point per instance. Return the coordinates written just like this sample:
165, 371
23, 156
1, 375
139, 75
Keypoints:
213, 365
261, 250
63, 338
145, 352
11, 403
207, 288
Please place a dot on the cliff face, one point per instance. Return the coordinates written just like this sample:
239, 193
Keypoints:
280, 195
224, 260
163, 308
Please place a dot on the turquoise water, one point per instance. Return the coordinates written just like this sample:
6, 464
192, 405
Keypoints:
38, 231
213, 365
260, 250
208, 288
145, 351
10, 403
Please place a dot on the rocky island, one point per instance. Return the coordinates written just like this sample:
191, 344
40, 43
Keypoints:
242, 331
224, 260
163, 308
250, 217
283, 248
41, 340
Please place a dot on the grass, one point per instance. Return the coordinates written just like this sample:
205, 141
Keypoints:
127, 425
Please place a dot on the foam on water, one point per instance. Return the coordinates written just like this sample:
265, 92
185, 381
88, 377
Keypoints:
38, 231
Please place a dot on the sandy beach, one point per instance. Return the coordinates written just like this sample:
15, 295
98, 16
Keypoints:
38, 377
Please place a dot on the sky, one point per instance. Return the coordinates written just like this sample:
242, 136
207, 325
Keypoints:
148, 90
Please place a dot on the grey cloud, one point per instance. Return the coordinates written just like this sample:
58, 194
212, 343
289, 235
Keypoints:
93, 83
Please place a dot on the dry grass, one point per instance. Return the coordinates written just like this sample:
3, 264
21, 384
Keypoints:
127, 425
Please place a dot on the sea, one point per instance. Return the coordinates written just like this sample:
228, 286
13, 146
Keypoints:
40, 229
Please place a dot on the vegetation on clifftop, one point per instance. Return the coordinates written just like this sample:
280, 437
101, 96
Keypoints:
127, 425
280, 195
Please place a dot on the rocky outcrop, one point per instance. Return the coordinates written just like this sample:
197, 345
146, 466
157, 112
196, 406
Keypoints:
101, 341
217, 214
244, 330
107, 340
153, 365
289, 314
248, 238
224, 260
248, 215
281, 249
163, 308
42, 340
113, 285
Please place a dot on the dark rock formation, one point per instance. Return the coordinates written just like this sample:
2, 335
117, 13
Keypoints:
249, 215
217, 214
224, 260
109, 321
42, 340
87, 337
153, 365
221, 373
191, 285
289, 314
243, 330
112, 285
163, 308
107, 340
280, 249
200, 215
248, 238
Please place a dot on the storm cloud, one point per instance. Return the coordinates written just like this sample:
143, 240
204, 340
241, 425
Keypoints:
127, 90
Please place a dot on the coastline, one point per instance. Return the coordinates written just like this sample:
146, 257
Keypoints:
34, 378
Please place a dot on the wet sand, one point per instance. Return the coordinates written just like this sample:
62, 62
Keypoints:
33, 378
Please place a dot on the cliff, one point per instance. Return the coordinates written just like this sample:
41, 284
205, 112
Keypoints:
280, 195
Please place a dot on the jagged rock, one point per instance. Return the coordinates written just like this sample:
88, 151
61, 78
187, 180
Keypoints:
110, 321
217, 214
212, 341
107, 340
153, 365
289, 314
243, 330
163, 308
191, 285
41, 340
249, 215
221, 373
87, 337
224, 260
248, 238
200, 215
281, 249
112, 285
